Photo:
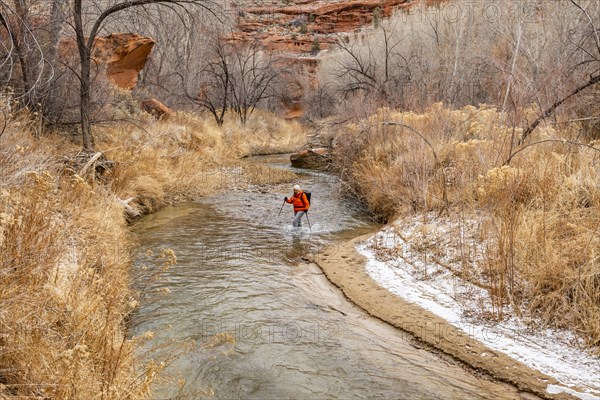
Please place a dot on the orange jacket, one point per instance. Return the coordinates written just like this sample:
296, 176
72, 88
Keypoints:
299, 201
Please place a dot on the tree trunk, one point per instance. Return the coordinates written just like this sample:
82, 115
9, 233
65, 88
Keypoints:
86, 129
55, 30
16, 35
512, 69
85, 59
22, 10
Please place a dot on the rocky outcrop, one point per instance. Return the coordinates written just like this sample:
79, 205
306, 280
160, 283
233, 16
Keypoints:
300, 30
304, 26
124, 54
156, 108
318, 158
294, 111
121, 55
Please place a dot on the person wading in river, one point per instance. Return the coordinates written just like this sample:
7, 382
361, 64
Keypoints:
301, 205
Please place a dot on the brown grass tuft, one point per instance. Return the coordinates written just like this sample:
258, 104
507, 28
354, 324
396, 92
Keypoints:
65, 249
540, 214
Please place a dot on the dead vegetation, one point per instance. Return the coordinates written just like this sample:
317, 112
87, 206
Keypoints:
65, 250
540, 213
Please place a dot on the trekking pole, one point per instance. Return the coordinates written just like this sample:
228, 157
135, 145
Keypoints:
306, 213
281, 209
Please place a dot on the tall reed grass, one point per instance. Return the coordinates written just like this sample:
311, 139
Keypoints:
65, 249
541, 211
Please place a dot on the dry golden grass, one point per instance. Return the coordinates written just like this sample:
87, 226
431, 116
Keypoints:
65, 249
188, 156
541, 212
64, 289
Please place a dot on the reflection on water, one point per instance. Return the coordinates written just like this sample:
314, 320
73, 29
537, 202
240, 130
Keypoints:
267, 325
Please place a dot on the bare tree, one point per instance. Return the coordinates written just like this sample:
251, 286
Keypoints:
190, 68
217, 74
215, 83
205, 78
180, 53
206, 67
529, 52
587, 42
17, 28
320, 100
376, 67
28, 55
86, 41
252, 74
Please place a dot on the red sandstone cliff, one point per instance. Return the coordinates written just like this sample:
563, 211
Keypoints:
304, 26
124, 54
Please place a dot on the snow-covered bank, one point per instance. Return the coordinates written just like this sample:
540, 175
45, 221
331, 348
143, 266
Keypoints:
419, 262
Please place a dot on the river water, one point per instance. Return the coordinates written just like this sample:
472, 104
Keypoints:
266, 324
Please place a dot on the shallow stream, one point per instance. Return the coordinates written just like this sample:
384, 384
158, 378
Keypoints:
267, 324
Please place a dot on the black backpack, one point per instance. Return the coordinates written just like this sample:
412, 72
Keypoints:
308, 196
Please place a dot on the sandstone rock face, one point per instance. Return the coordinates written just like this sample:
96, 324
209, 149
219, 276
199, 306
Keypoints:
294, 111
305, 26
300, 30
318, 158
124, 54
156, 108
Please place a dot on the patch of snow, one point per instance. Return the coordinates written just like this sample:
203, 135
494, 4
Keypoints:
554, 389
420, 278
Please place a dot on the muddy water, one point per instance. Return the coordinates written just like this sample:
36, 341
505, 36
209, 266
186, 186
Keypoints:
266, 324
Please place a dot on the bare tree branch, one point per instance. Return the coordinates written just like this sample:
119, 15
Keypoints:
591, 21
594, 80
569, 142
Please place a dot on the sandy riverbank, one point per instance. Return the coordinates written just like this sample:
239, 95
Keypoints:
345, 268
